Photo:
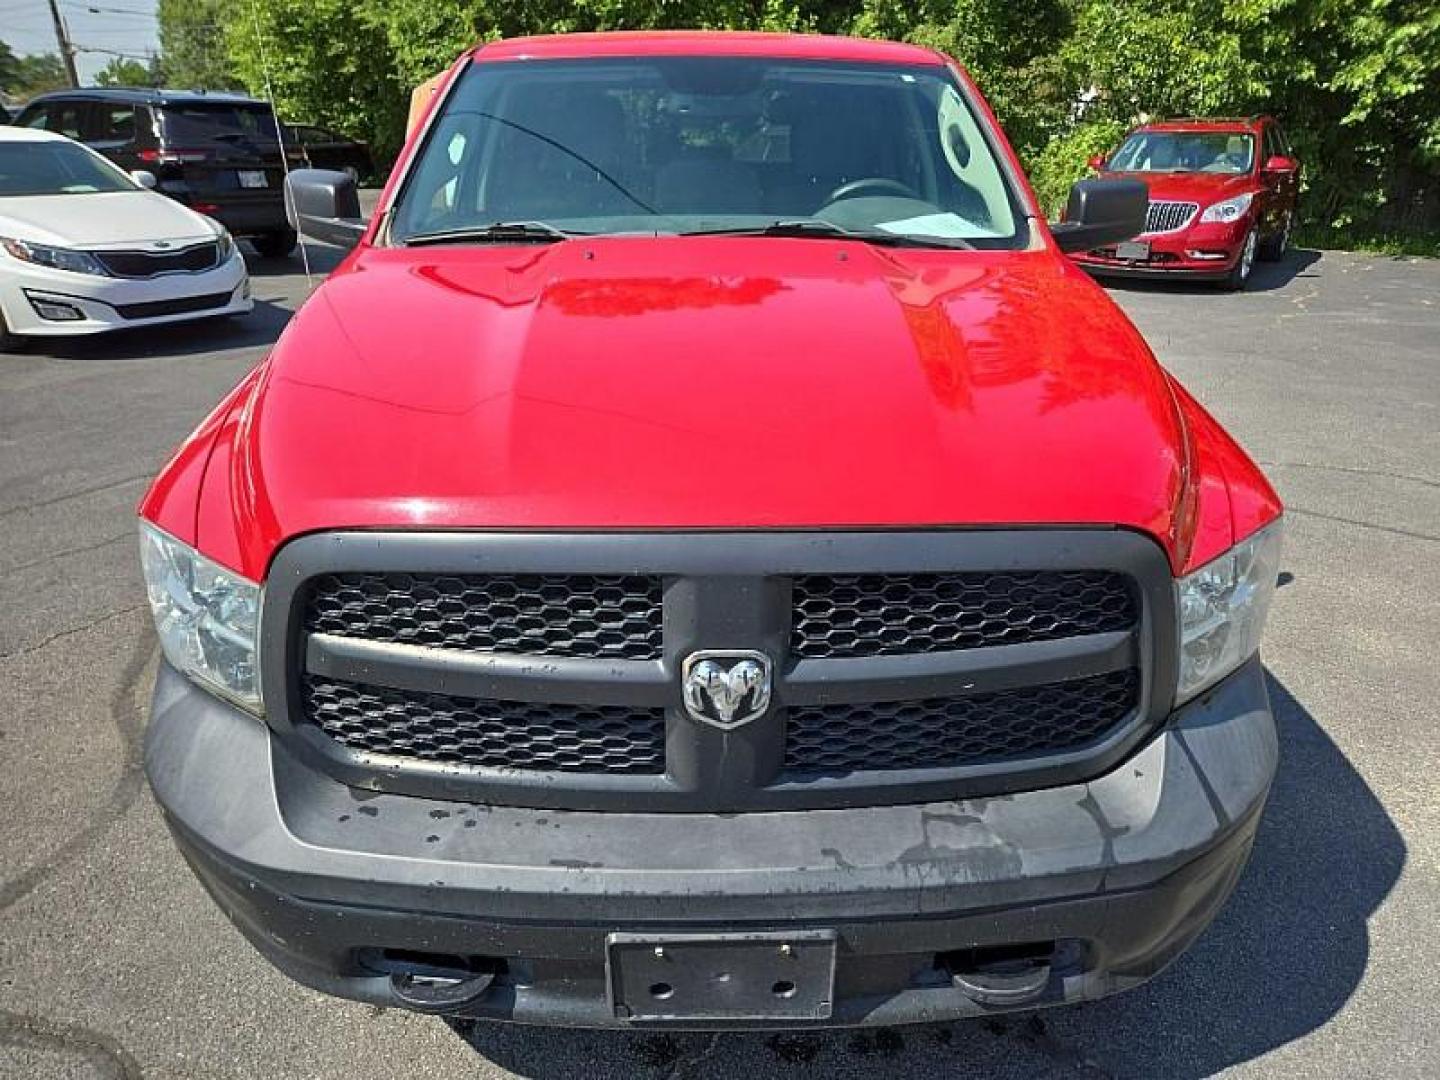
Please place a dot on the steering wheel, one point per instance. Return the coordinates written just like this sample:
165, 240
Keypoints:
871, 185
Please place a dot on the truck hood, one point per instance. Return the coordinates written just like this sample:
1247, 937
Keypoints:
697, 383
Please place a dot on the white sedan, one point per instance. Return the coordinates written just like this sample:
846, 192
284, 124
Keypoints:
84, 247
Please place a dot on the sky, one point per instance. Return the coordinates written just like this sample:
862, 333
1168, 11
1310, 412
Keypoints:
126, 26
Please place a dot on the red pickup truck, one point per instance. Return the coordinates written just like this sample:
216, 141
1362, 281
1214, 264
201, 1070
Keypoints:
706, 558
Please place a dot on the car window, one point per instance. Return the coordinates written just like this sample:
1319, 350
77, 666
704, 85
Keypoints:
35, 118
198, 122
690, 144
1186, 151
65, 117
116, 123
57, 168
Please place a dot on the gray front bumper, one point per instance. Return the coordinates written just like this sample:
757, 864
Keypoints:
1131, 865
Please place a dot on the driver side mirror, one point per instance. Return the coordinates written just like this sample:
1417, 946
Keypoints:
1280, 165
324, 205
145, 178
1097, 162
1101, 212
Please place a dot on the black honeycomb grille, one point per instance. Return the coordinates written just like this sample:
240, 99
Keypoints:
583, 616
862, 615
957, 732
492, 734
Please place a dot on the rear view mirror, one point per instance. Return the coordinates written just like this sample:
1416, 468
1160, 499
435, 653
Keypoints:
1101, 212
1280, 164
324, 205
145, 179
1096, 162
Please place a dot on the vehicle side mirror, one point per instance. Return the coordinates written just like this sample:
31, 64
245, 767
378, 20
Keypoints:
1280, 165
1101, 212
1096, 162
145, 178
324, 205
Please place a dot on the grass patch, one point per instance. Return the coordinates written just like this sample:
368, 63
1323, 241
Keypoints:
1351, 238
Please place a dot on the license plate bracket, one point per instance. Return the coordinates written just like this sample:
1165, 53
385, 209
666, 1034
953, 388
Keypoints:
1133, 251
674, 978
252, 178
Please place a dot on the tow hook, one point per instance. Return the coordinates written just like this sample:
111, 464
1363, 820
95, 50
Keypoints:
1009, 976
439, 992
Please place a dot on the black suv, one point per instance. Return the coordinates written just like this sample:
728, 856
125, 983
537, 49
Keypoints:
217, 153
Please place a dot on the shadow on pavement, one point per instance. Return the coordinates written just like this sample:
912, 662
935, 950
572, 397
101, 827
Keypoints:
1282, 959
1266, 277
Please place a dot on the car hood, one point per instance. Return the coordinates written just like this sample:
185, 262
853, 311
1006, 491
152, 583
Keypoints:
698, 383
101, 219
1204, 188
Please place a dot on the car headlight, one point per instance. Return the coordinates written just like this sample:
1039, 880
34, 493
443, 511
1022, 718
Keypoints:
79, 262
226, 243
1222, 610
207, 617
1229, 210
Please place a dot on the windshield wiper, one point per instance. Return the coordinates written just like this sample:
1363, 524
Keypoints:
818, 229
501, 232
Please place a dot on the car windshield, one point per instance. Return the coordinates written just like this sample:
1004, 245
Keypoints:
56, 168
217, 121
709, 144
1185, 151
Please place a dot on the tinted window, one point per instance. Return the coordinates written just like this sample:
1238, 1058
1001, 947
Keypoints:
65, 117
1186, 151
116, 123
56, 168
225, 122
684, 144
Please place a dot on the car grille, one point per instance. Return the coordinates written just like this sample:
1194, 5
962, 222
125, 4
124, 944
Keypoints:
488, 734
1165, 216
532, 615
153, 309
146, 264
941, 733
562, 687
893, 614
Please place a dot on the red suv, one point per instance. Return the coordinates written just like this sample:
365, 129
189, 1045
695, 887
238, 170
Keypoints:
1222, 193
721, 566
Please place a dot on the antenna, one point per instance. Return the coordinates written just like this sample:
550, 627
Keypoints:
280, 138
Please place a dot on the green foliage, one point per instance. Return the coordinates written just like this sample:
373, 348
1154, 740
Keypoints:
122, 71
192, 43
25, 76
1355, 82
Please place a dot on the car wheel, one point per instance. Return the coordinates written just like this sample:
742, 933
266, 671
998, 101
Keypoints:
276, 245
1274, 248
1239, 274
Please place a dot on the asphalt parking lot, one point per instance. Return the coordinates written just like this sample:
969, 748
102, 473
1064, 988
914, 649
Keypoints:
113, 962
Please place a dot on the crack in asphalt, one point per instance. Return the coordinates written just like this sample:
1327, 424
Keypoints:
1351, 470
1393, 530
38, 1033
55, 556
46, 641
125, 713
42, 503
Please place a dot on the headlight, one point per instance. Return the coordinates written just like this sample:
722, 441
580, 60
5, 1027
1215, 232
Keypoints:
1229, 210
226, 243
1222, 611
79, 262
205, 615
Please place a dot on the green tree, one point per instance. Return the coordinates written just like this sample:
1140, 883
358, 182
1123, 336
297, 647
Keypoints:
192, 43
123, 71
34, 74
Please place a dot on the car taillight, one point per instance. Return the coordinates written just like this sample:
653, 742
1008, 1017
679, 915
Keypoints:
173, 156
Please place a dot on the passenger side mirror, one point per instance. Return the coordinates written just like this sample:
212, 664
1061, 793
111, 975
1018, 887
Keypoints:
1280, 165
1097, 162
145, 178
324, 205
1101, 212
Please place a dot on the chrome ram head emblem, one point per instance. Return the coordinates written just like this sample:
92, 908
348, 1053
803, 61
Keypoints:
726, 688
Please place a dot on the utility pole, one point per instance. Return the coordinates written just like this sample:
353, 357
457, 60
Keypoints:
67, 50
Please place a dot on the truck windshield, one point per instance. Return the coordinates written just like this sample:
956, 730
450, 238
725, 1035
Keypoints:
1185, 151
56, 168
709, 144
